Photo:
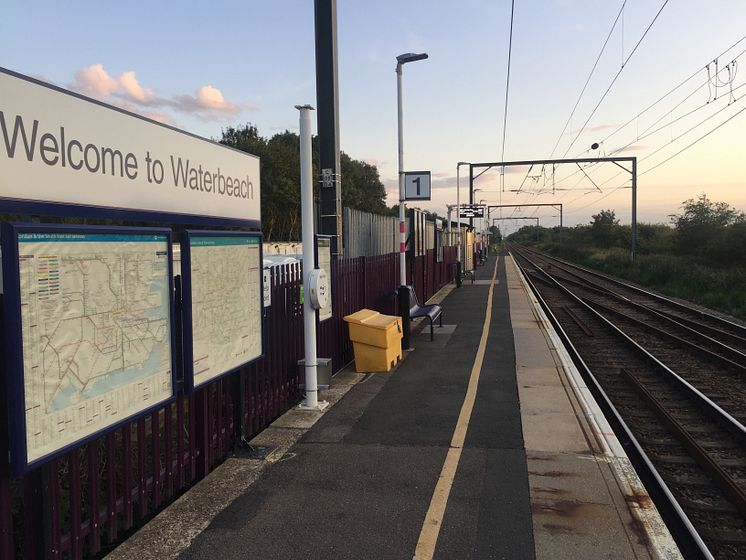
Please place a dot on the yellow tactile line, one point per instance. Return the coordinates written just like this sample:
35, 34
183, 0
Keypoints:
434, 518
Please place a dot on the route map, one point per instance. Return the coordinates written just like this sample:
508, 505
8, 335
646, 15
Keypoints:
226, 304
95, 319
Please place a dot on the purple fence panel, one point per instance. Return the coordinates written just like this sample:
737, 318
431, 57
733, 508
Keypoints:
95, 494
111, 489
94, 512
6, 519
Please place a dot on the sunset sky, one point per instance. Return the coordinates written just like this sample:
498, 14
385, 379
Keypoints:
204, 66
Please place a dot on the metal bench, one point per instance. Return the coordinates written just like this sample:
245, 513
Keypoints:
432, 312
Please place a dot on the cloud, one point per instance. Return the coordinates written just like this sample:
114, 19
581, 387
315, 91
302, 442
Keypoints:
633, 148
371, 161
207, 102
132, 87
597, 128
95, 82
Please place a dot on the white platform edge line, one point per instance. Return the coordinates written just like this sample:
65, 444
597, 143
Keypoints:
662, 543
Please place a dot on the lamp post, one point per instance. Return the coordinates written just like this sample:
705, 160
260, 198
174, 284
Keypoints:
459, 266
401, 60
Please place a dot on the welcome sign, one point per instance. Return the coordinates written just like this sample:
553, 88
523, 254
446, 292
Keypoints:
60, 147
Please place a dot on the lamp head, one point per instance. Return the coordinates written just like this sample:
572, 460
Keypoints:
410, 57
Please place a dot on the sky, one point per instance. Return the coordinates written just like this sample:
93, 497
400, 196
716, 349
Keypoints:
205, 66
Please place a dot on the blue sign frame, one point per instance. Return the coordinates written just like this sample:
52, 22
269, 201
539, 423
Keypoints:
186, 306
13, 336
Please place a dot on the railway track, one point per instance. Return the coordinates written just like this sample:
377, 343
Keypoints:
675, 387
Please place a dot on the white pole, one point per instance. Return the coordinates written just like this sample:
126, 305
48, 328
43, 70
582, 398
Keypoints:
309, 264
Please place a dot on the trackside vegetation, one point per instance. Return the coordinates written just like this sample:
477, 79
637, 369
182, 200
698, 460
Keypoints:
700, 256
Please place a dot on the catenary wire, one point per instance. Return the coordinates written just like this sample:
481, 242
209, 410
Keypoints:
613, 81
507, 90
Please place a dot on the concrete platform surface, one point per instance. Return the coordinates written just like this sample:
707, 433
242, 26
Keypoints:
484, 443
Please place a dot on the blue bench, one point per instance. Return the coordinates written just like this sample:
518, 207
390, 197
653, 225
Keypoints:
432, 312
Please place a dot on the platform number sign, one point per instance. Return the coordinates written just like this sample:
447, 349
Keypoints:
417, 185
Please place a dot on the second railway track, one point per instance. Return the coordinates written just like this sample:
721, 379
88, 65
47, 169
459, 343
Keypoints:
676, 383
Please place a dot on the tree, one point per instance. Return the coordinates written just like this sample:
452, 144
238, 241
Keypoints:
495, 234
704, 227
361, 186
280, 180
604, 227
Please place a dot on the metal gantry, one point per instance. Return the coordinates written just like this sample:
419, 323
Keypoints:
615, 160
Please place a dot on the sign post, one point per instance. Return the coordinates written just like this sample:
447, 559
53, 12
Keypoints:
311, 276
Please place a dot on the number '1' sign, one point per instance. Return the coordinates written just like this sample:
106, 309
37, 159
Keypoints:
417, 185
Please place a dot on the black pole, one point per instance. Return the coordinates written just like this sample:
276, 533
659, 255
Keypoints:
404, 305
471, 193
327, 114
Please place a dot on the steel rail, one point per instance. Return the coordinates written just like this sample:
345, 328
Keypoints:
730, 354
709, 354
704, 459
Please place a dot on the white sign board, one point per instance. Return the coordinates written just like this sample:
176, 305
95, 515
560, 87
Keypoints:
471, 211
266, 287
80, 313
417, 185
324, 262
225, 303
57, 146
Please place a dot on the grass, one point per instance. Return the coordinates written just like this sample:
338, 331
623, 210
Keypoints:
721, 289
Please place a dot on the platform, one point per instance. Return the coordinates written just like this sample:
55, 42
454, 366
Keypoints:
484, 443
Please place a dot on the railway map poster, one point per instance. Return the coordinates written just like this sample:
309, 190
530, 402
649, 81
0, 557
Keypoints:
95, 321
225, 296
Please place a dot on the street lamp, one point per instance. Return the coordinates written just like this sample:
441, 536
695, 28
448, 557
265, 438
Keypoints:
459, 266
401, 60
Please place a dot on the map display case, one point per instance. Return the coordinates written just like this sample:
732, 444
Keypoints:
89, 311
222, 303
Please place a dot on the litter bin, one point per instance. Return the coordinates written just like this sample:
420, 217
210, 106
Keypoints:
376, 340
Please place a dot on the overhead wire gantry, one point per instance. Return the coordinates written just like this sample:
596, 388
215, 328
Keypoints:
618, 161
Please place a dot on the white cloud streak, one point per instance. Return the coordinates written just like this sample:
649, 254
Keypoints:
207, 102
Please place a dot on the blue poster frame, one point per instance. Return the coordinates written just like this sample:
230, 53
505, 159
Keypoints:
19, 463
186, 306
